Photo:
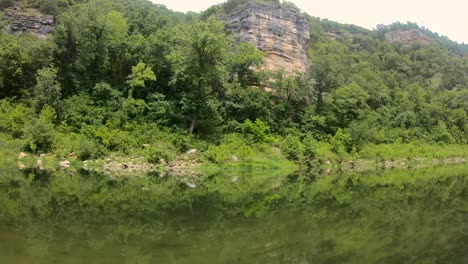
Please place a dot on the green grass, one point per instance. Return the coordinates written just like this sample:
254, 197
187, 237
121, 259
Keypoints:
9, 150
412, 151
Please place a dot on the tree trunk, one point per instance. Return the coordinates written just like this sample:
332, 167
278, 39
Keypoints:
193, 124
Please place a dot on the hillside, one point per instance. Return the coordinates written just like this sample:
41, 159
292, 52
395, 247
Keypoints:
246, 76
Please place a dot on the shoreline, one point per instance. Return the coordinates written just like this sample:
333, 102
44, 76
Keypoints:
191, 166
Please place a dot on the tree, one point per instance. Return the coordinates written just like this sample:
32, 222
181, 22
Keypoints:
13, 61
140, 74
83, 41
198, 57
348, 103
47, 91
243, 60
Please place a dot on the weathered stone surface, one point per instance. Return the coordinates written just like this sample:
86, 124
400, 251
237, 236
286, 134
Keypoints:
65, 164
29, 20
280, 32
191, 152
408, 37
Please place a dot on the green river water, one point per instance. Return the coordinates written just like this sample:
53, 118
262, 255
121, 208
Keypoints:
396, 216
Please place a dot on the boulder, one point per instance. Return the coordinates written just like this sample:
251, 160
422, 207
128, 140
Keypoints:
191, 152
65, 164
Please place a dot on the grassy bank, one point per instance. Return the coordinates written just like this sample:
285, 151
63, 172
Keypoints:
235, 154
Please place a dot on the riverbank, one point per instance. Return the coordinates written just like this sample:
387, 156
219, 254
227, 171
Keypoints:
261, 157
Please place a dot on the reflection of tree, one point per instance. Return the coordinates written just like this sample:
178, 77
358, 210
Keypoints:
352, 217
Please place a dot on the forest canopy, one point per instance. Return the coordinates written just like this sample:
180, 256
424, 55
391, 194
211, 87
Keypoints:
115, 70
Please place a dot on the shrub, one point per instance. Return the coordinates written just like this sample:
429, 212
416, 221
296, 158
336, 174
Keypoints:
13, 118
340, 142
161, 152
232, 145
309, 145
87, 148
292, 147
259, 130
50, 7
40, 132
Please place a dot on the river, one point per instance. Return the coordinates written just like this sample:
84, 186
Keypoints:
395, 216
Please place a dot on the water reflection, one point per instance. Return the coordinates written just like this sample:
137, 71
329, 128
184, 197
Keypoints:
418, 216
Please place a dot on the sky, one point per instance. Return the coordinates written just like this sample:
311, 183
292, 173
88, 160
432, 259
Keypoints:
447, 17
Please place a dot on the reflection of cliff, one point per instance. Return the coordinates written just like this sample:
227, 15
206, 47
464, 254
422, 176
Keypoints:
29, 20
279, 31
408, 37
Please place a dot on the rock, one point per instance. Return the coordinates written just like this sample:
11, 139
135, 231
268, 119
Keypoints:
408, 37
190, 185
22, 155
65, 164
234, 158
40, 164
21, 166
28, 20
281, 32
191, 152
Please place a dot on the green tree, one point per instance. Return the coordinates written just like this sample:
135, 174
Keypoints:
245, 59
348, 102
198, 58
140, 74
47, 91
13, 75
83, 38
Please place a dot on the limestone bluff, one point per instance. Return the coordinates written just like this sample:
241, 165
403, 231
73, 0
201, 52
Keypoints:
280, 31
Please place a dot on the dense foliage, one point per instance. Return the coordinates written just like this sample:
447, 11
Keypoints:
128, 75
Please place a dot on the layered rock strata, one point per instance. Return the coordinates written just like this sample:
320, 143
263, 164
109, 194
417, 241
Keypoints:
29, 20
279, 31
408, 37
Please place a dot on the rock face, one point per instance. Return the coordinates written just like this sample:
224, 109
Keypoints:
279, 31
29, 20
408, 37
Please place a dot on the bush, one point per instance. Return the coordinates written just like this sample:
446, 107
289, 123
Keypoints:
50, 7
115, 139
87, 148
259, 130
309, 145
341, 142
40, 132
13, 118
232, 145
156, 153
292, 147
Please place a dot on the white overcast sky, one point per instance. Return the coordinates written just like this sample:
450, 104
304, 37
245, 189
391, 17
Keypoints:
447, 17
